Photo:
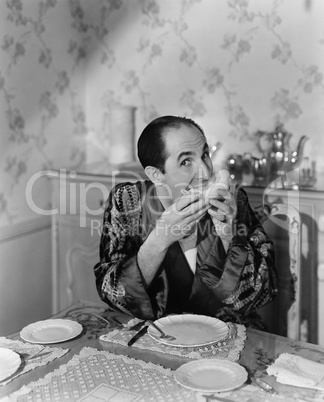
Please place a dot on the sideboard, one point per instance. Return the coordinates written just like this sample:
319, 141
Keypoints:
77, 209
310, 204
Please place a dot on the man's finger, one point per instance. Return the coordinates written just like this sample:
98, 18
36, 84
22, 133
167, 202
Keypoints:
198, 214
221, 207
198, 208
185, 200
195, 204
217, 214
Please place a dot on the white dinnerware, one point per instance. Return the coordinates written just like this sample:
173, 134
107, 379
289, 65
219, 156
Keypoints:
9, 363
51, 331
211, 375
189, 330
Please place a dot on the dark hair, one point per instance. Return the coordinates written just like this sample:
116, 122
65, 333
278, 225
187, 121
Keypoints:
151, 149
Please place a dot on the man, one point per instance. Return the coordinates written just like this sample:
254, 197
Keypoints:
165, 248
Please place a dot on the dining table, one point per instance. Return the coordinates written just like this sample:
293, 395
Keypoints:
98, 365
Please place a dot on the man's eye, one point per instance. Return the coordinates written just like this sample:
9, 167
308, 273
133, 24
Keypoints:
206, 155
185, 162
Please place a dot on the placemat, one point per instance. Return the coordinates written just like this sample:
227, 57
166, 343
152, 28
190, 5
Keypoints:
95, 375
45, 355
229, 347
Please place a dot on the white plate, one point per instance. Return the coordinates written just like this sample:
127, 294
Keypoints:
211, 375
9, 363
189, 330
51, 331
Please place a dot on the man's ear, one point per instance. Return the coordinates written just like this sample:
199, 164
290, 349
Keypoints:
154, 174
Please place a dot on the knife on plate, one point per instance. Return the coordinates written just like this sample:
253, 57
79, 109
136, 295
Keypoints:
138, 335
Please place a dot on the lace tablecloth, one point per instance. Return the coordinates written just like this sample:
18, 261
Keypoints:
95, 375
229, 347
45, 355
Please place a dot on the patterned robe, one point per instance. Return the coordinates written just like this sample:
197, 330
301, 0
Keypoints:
229, 285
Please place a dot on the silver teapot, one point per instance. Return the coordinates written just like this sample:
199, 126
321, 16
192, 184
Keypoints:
277, 157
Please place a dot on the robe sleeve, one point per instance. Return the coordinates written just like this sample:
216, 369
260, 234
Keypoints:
249, 277
119, 280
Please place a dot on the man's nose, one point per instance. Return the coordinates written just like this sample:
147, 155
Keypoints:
203, 172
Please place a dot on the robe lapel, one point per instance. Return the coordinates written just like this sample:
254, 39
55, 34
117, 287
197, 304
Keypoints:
210, 250
205, 239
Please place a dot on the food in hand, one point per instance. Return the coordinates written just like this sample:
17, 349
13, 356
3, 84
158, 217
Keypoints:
221, 182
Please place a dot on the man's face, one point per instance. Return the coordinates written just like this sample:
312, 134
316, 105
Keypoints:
188, 165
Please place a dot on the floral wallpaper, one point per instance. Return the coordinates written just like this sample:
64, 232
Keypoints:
235, 66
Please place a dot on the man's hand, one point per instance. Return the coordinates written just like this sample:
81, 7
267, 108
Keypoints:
180, 219
176, 222
223, 211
